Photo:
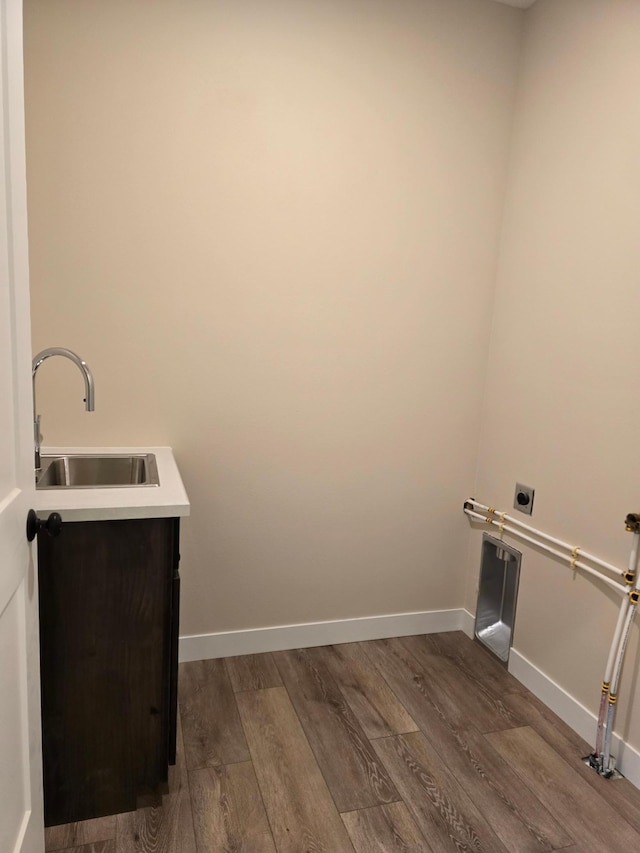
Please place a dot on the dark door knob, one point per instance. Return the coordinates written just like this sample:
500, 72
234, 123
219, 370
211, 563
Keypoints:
52, 525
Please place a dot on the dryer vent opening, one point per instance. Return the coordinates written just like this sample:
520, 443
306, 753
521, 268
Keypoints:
497, 595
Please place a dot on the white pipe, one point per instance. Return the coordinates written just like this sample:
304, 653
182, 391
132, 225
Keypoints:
548, 538
613, 692
574, 564
620, 657
635, 551
612, 672
616, 638
605, 767
602, 714
606, 683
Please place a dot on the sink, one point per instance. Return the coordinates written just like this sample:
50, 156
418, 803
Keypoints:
80, 471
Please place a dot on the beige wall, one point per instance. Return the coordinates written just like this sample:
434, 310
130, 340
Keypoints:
271, 227
562, 404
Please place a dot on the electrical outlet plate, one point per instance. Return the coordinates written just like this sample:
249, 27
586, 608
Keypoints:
523, 498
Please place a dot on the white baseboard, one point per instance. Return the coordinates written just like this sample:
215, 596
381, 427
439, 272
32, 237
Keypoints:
258, 640
574, 714
468, 623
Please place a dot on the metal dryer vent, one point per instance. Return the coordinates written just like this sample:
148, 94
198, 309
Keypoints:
497, 594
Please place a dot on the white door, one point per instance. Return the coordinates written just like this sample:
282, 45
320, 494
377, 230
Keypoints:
21, 817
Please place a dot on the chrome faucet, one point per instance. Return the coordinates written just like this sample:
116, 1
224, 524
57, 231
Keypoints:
88, 390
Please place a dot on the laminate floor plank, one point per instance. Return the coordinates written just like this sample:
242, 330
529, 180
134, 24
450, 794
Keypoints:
594, 825
167, 828
228, 812
476, 662
80, 833
444, 813
374, 704
487, 710
385, 829
212, 730
621, 794
432, 708
516, 816
253, 672
95, 847
352, 770
301, 811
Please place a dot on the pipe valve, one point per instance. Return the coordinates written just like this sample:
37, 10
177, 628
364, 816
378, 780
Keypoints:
632, 522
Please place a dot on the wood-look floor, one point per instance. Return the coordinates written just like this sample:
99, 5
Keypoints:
414, 744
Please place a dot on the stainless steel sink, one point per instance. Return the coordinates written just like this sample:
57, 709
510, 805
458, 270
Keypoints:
84, 471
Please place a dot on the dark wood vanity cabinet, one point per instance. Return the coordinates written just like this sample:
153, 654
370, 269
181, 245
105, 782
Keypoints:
109, 605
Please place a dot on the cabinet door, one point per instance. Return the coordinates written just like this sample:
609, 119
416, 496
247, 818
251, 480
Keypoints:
105, 604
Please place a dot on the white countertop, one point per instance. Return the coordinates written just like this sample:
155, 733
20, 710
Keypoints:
167, 500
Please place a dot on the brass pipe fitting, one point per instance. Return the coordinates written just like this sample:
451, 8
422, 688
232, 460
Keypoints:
632, 522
